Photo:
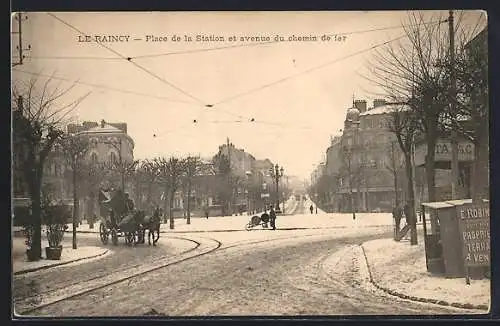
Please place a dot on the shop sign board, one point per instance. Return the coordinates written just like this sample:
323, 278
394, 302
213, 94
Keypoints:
474, 223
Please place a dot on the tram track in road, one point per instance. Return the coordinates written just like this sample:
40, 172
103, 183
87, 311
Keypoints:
86, 287
118, 270
86, 290
79, 290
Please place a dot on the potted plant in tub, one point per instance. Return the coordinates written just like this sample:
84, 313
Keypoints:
56, 217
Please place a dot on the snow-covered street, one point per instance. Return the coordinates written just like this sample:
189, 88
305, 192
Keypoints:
293, 276
313, 264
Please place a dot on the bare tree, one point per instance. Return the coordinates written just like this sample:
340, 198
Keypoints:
170, 172
224, 186
37, 124
150, 174
75, 149
92, 177
403, 124
394, 166
407, 72
416, 72
122, 170
193, 167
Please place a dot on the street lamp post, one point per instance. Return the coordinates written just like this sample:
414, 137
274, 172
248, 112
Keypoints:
348, 155
277, 174
247, 190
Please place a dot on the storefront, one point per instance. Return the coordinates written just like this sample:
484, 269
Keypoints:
443, 176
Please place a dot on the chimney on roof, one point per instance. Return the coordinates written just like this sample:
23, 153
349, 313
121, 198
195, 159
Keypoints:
103, 123
378, 102
360, 105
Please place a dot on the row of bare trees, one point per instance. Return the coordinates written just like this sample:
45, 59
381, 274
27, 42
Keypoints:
39, 118
438, 92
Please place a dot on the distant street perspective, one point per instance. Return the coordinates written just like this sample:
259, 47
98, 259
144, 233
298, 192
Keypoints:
180, 173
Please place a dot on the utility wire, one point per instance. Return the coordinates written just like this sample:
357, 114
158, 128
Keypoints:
252, 121
129, 59
306, 71
316, 67
104, 87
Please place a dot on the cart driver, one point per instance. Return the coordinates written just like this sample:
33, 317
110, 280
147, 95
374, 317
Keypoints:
112, 217
129, 203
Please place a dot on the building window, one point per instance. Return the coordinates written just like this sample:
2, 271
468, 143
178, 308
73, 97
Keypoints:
112, 157
93, 158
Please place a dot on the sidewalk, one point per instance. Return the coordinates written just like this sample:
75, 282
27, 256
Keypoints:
403, 273
21, 265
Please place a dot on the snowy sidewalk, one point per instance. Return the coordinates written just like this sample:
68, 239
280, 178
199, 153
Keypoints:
399, 269
21, 265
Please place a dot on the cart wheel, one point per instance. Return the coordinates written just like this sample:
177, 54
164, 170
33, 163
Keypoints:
103, 233
129, 238
114, 237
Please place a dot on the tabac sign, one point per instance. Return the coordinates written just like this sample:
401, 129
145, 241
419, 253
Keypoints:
442, 151
474, 222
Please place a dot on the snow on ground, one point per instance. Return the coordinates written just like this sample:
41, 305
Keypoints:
401, 267
299, 221
68, 255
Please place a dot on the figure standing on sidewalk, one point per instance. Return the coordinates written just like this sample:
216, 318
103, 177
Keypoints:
396, 214
311, 208
272, 217
205, 209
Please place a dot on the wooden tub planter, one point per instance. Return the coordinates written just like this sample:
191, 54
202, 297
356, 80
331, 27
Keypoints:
53, 253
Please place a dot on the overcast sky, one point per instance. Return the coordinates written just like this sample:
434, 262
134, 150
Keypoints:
294, 118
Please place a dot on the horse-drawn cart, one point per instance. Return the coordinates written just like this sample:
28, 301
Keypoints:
118, 220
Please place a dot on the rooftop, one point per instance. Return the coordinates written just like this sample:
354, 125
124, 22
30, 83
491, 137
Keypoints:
103, 128
384, 109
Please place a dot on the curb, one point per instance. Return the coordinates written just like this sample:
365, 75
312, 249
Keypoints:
419, 299
35, 269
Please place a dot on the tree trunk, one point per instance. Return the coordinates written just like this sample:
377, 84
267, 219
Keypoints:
411, 220
166, 199
430, 164
396, 184
148, 199
171, 212
189, 202
75, 206
37, 218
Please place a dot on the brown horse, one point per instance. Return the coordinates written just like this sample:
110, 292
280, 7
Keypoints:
152, 224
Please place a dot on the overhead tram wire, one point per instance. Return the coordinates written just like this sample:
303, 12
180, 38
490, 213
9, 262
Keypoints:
146, 56
129, 59
105, 87
254, 90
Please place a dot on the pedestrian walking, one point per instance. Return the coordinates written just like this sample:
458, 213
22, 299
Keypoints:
272, 217
407, 213
311, 208
396, 214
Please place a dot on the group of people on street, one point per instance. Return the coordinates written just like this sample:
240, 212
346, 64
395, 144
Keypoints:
271, 217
